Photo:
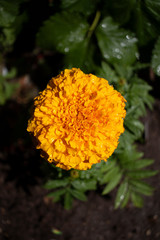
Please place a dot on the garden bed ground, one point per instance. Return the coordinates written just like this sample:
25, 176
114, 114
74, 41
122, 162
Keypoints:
27, 214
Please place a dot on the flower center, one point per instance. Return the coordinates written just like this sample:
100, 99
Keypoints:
76, 117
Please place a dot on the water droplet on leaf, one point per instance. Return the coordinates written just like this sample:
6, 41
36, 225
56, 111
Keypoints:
158, 70
128, 37
104, 25
122, 197
137, 55
118, 56
106, 56
123, 44
117, 50
66, 49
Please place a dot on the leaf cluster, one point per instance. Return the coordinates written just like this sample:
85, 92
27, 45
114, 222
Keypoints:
127, 170
115, 40
102, 40
10, 23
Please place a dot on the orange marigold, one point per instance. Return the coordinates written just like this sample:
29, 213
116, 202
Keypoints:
77, 120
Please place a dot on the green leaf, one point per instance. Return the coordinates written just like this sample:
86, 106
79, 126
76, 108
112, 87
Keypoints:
7, 38
93, 173
68, 200
133, 99
123, 71
8, 12
67, 3
78, 194
51, 184
82, 6
110, 174
144, 26
126, 199
149, 100
19, 22
121, 194
141, 187
135, 126
117, 7
108, 73
110, 164
9, 89
137, 199
60, 32
155, 62
126, 139
112, 184
140, 174
131, 112
11, 73
117, 45
89, 63
129, 154
140, 163
84, 185
139, 66
138, 95
141, 85
76, 57
153, 7
57, 194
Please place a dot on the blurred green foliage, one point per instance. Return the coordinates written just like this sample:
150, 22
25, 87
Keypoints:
116, 40
7, 88
10, 24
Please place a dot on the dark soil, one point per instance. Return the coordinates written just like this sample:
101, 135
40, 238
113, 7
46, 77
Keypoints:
27, 214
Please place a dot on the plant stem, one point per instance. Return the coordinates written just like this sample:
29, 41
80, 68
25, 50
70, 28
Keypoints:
94, 24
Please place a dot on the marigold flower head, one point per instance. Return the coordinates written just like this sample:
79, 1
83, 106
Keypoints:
77, 120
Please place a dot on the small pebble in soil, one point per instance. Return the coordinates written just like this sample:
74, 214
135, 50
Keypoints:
148, 232
155, 217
